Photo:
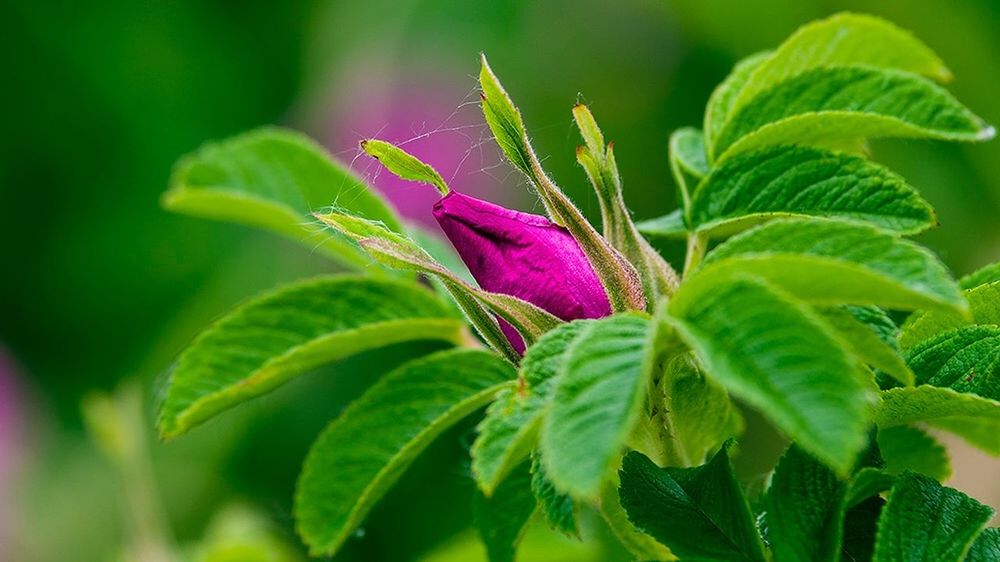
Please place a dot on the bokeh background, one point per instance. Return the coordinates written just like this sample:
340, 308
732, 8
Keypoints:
100, 288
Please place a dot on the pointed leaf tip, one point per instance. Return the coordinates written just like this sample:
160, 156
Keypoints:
403, 164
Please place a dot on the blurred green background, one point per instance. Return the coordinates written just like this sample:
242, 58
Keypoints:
100, 285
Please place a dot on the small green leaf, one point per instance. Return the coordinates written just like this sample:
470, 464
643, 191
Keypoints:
867, 343
559, 509
984, 304
925, 522
361, 454
688, 162
908, 448
286, 332
720, 103
974, 418
777, 354
503, 518
986, 274
986, 548
839, 262
510, 429
699, 513
668, 226
838, 104
785, 180
966, 360
404, 164
596, 403
274, 179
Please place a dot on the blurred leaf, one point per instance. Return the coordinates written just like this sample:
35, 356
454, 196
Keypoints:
559, 509
720, 103
786, 180
984, 304
924, 521
966, 360
596, 403
908, 448
240, 534
774, 352
668, 226
290, 330
837, 104
839, 262
986, 274
986, 547
361, 454
699, 513
273, 179
974, 418
503, 518
403, 164
865, 342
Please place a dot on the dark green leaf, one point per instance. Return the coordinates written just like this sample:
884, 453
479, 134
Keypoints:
986, 548
909, 448
966, 360
361, 454
860, 528
503, 518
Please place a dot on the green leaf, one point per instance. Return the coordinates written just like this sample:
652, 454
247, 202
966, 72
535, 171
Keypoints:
843, 39
777, 354
688, 161
924, 521
806, 504
908, 448
510, 429
699, 513
974, 418
860, 527
838, 104
559, 509
361, 454
966, 360
286, 332
839, 262
596, 403
986, 274
403, 164
785, 180
274, 179
984, 304
668, 226
986, 548
720, 103
503, 518
867, 342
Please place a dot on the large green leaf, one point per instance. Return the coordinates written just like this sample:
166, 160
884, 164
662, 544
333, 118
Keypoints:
927, 522
276, 336
364, 451
791, 180
596, 403
274, 179
966, 360
510, 429
699, 513
558, 508
503, 518
840, 262
908, 448
833, 105
974, 418
776, 353
986, 548
857, 326
984, 304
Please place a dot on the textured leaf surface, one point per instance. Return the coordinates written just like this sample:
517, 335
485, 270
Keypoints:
909, 448
966, 360
273, 179
688, 161
404, 164
974, 418
839, 262
558, 508
699, 513
510, 429
344, 475
596, 403
927, 522
773, 351
986, 548
837, 104
503, 518
791, 180
856, 326
984, 304
288, 331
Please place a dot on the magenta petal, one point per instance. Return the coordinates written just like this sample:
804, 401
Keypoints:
522, 255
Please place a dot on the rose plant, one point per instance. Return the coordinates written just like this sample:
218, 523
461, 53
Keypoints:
609, 378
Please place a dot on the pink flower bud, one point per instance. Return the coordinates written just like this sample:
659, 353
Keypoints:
523, 255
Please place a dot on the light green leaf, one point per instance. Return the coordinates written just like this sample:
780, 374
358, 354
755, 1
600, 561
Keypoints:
986, 274
699, 513
843, 39
688, 162
403, 164
361, 454
777, 354
839, 262
984, 304
510, 429
966, 360
926, 522
596, 403
274, 179
838, 104
865, 342
720, 103
503, 518
986, 548
970, 416
786, 180
559, 509
668, 226
908, 448
286, 332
